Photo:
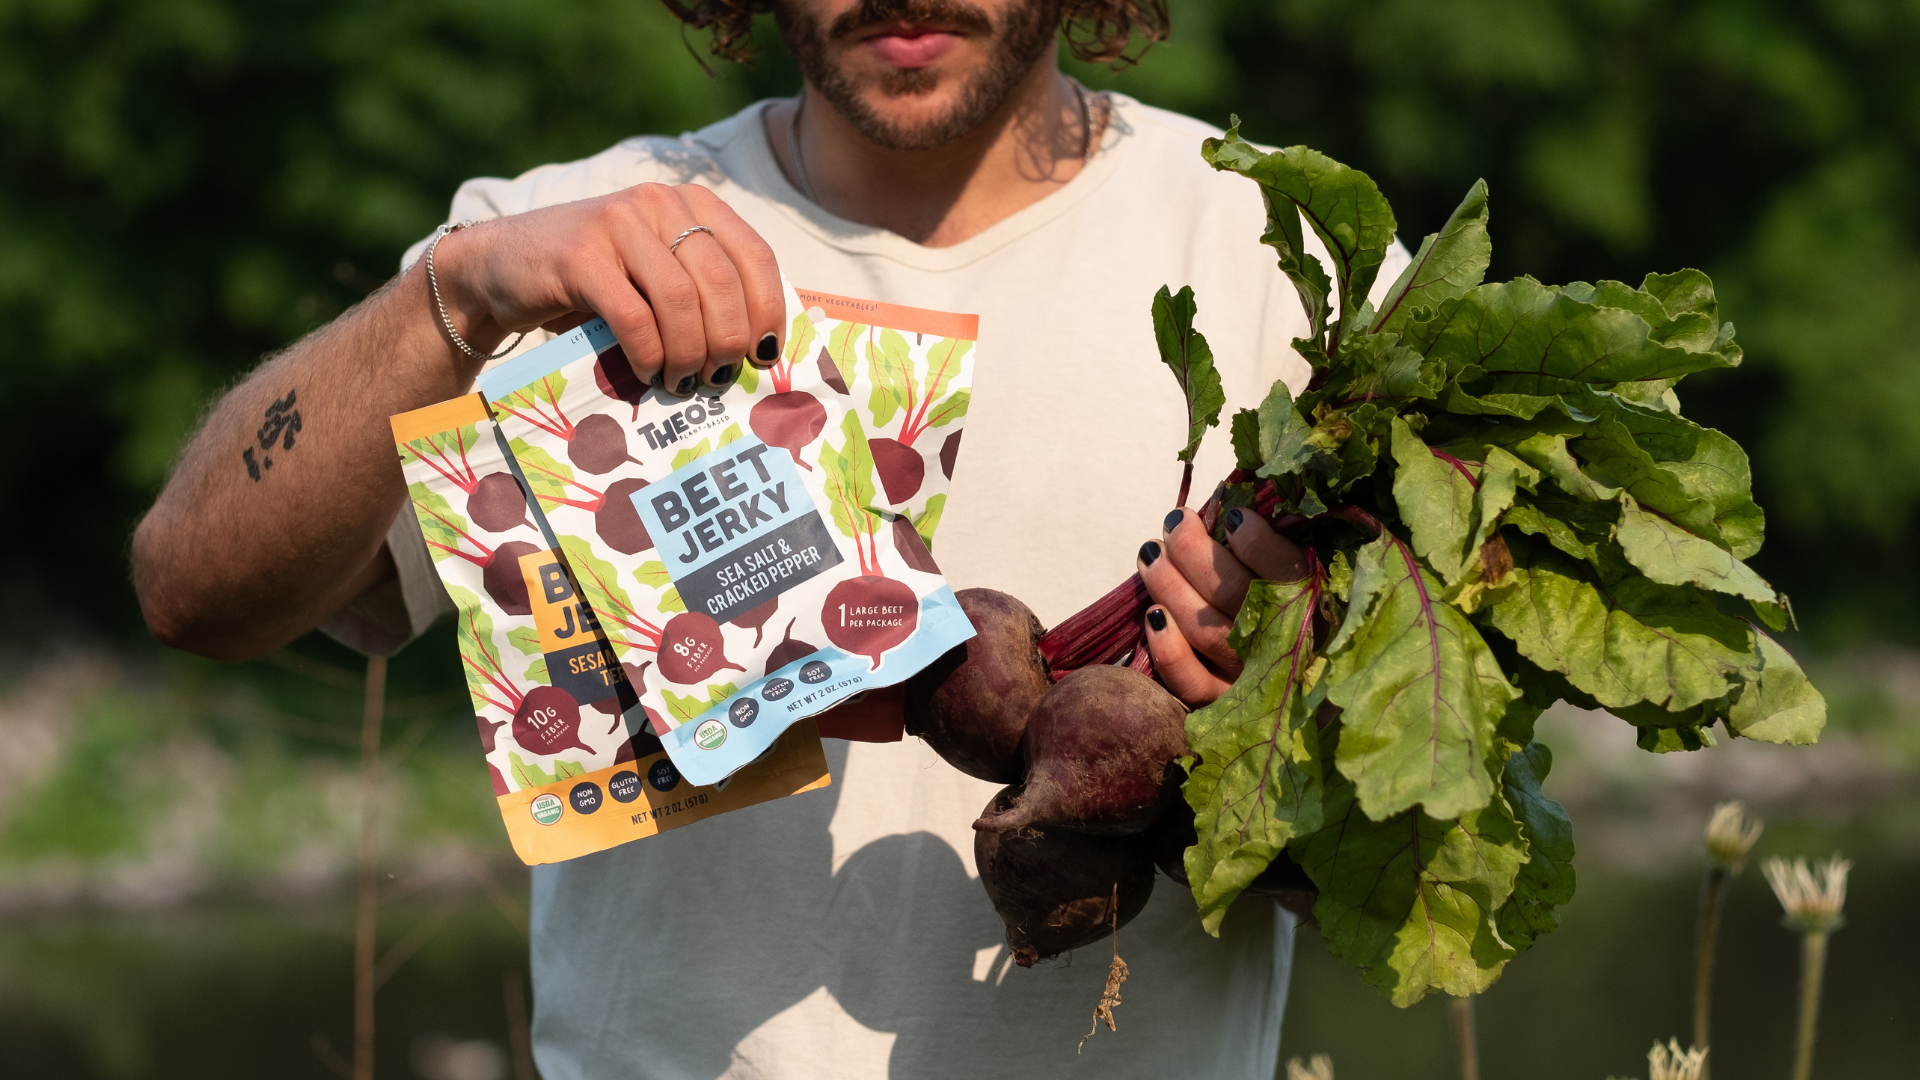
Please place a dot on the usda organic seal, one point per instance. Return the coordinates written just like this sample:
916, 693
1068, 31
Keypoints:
709, 735
547, 808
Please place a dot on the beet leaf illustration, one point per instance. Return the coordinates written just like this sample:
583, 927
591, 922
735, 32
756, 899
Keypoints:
850, 491
446, 535
552, 480
840, 358
898, 387
599, 582
539, 405
684, 708
652, 574
487, 680
693, 453
929, 519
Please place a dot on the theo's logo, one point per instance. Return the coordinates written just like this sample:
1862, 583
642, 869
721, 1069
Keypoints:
671, 427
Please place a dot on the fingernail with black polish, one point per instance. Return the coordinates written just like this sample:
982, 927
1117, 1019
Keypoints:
1149, 551
1234, 517
722, 375
1173, 520
659, 378
769, 348
686, 385
1157, 618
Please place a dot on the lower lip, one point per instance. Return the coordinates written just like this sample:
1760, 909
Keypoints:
912, 52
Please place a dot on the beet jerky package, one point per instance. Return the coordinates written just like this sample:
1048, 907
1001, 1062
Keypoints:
575, 768
760, 553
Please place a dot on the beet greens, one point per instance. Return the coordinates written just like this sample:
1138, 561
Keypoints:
1503, 508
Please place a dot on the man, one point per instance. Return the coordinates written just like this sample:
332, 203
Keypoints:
938, 158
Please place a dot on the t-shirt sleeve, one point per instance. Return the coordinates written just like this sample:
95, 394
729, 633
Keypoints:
382, 620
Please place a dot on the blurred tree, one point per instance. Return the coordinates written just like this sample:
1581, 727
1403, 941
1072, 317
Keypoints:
188, 184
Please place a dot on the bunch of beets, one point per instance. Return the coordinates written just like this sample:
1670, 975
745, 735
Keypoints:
1501, 507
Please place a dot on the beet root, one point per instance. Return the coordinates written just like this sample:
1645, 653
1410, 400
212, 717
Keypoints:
547, 722
789, 650
613, 374
913, 550
618, 521
497, 503
789, 420
900, 468
972, 704
830, 373
1100, 755
1055, 888
950, 453
503, 579
599, 444
755, 619
868, 615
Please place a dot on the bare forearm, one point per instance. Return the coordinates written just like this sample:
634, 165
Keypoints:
277, 512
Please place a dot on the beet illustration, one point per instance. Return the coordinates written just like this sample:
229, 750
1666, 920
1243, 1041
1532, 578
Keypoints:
788, 650
1101, 746
599, 444
913, 550
547, 722
950, 453
830, 372
626, 694
499, 782
899, 467
692, 648
868, 615
1055, 888
503, 580
789, 420
488, 729
618, 520
755, 619
613, 374
972, 704
497, 503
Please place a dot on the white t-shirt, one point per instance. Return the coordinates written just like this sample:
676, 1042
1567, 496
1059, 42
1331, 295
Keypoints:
843, 933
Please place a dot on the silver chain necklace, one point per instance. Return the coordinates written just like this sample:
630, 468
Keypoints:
800, 164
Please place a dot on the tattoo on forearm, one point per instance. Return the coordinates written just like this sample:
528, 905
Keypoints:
280, 425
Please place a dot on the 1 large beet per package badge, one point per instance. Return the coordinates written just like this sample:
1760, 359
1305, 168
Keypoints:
749, 557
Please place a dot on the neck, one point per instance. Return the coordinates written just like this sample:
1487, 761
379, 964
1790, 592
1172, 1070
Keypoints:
1026, 150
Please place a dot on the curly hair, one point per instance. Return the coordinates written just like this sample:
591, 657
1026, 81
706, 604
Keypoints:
1098, 31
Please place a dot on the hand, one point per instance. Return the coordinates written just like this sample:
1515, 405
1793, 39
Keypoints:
1197, 588
682, 317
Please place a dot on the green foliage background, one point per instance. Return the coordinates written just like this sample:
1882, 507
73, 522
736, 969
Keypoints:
188, 184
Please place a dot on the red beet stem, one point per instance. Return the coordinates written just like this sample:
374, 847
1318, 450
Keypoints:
1100, 633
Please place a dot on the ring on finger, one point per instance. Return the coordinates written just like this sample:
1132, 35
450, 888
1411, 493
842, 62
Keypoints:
675, 246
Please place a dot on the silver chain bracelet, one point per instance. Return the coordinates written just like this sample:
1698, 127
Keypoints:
446, 320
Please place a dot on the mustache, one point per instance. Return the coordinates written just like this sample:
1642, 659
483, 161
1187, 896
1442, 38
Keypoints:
871, 13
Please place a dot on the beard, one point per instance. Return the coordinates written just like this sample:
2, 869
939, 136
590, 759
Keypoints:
1020, 39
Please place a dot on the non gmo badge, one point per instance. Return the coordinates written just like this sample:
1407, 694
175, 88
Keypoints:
547, 808
585, 797
709, 735
743, 711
